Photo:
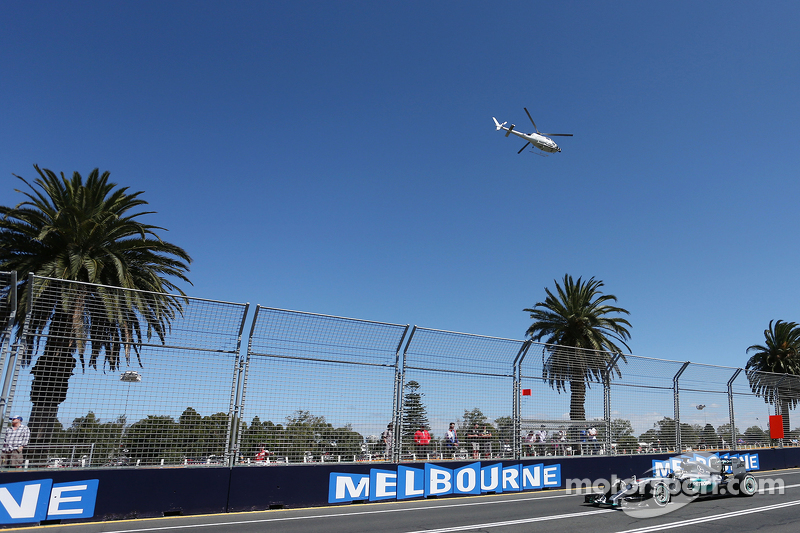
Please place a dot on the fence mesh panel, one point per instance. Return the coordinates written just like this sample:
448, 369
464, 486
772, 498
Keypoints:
318, 388
112, 377
95, 393
463, 379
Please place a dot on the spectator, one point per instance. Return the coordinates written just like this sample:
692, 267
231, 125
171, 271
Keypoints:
541, 438
487, 444
387, 437
451, 439
17, 437
262, 455
475, 441
560, 437
591, 437
528, 441
421, 439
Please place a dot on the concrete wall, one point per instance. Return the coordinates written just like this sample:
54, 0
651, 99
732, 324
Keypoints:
138, 493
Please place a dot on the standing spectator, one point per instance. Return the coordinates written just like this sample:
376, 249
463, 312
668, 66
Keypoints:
451, 439
474, 439
486, 435
422, 438
541, 437
17, 437
559, 437
387, 438
591, 436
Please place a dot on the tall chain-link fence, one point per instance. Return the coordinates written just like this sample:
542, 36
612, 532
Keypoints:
111, 377
107, 377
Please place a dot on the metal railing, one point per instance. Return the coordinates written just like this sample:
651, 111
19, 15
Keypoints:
107, 377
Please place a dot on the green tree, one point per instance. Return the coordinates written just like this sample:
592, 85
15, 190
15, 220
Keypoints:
578, 317
724, 434
86, 232
415, 414
780, 354
756, 435
151, 439
475, 416
190, 434
304, 434
261, 434
622, 435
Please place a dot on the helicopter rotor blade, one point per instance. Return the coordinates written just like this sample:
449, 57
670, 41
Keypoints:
521, 149
557, 134
530, 117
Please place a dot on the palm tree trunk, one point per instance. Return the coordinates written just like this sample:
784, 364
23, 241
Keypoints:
49, 387
577, 408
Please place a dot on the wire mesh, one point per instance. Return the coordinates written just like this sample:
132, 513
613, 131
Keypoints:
96, 393
467, 380
110, 377
318, 388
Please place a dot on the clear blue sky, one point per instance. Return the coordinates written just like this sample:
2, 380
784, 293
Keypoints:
340, 157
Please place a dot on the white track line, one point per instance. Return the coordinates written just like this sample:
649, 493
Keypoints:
733, 514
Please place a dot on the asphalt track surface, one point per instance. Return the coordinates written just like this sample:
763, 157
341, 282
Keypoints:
552, 510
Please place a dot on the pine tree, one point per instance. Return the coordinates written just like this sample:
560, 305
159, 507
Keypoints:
414, 413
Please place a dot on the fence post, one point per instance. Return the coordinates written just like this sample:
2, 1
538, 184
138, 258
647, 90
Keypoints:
397, 445
607, 398
677, 407
730, 408
397, 403
516, 441
232, 439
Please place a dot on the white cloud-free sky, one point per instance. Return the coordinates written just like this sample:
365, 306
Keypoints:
340, 157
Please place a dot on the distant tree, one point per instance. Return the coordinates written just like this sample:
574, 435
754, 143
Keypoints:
214, 431
414, 412
649, 436
151, 439
620, 428
724, 434
756, 435
780, 354
709, 435
190, 434
578, 317
504, 432
472, 417
304, 434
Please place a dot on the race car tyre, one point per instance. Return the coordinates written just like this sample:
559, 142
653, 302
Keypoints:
660, 494
748, 485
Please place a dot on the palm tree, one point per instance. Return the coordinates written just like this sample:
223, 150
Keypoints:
85, 232
578, 318
780, 354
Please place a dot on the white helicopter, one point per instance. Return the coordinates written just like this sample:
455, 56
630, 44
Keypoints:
539, 140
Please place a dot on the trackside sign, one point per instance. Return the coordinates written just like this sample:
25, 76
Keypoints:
433, 480
663, 468
34, 501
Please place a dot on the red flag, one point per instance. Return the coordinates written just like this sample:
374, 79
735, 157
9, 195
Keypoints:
526, 392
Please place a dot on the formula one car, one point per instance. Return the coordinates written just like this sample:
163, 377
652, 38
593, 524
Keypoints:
686, 482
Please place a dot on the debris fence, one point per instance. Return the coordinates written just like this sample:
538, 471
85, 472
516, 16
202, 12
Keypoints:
107, 377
